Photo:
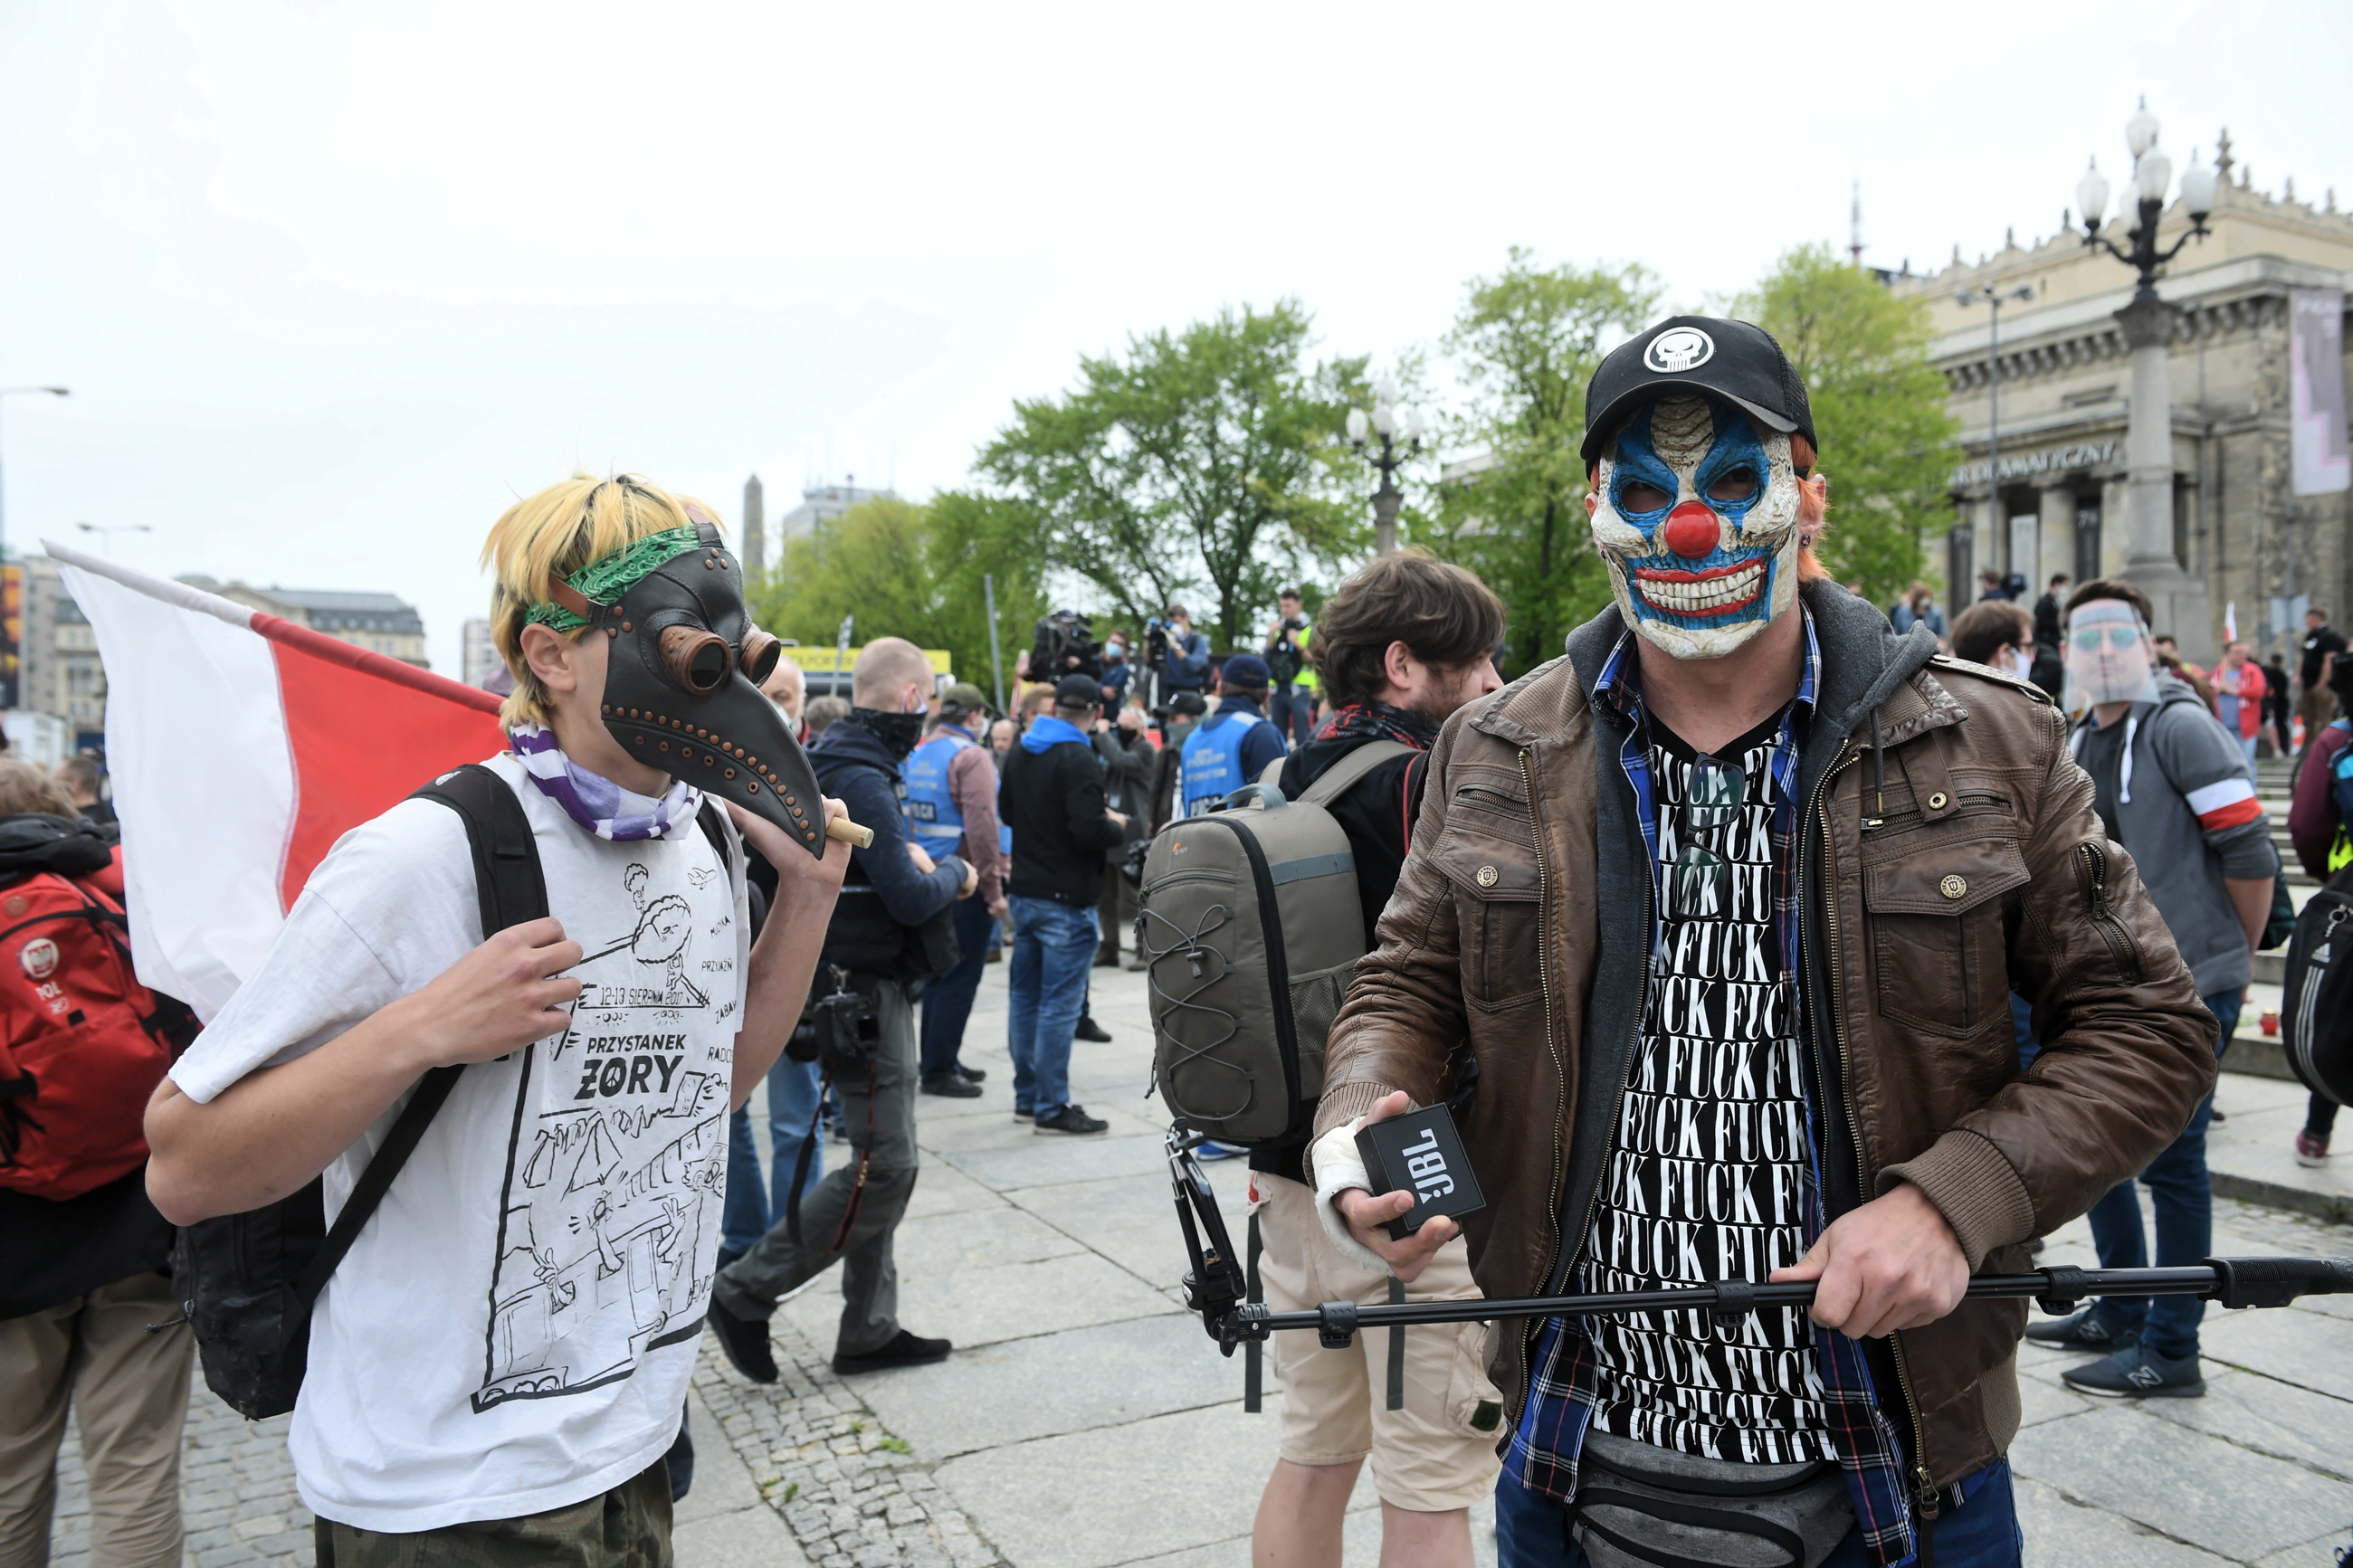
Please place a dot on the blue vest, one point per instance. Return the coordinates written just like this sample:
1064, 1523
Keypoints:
1213, 757
934, 818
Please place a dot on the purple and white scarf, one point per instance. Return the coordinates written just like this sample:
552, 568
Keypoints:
596, 802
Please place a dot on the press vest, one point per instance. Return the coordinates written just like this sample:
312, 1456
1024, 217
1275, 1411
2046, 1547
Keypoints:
934, 818
1213, 757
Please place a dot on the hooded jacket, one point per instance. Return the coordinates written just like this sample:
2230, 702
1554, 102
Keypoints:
883, 893
1945, 861
2187, 809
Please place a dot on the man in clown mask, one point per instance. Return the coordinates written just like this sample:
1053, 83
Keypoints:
2172, 788
1709, 930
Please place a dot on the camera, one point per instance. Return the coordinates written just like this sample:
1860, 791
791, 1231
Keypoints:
840, 1026
1064, 644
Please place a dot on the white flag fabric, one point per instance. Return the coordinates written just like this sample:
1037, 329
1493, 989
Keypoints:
241, 747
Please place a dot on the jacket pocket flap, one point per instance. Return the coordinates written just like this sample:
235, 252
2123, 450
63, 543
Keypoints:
1946, 876
1489, 855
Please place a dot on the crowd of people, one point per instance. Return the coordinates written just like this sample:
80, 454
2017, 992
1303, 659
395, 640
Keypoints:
1597, 924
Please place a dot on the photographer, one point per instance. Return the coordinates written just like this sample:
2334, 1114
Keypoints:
1053, 798
1178, 655
1064, 645
1118, 673
1293, 704
1129, 762
889, 930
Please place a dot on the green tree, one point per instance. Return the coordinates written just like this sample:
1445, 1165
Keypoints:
1525, 344
1879, 407
913, 571
1206, 459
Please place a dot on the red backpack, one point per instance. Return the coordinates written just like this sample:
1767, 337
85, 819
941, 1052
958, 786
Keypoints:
82, 1043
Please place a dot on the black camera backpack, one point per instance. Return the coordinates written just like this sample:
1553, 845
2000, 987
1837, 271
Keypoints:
247, 1282
2316, 1015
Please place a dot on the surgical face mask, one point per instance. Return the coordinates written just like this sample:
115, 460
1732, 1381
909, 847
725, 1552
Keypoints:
2108, 654
2021, 663
685, 667
1697, 520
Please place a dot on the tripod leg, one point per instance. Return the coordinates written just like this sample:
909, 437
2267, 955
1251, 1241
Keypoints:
1396, 1348
1254, 1352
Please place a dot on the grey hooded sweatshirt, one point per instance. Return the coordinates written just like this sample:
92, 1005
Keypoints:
2186, 812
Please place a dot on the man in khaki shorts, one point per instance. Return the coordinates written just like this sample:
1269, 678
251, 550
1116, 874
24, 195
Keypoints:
1401, 644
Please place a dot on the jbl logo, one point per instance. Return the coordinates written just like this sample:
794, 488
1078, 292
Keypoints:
1427, 1166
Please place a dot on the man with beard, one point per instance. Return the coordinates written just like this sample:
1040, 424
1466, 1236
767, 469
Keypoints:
1403, 644
1716, 921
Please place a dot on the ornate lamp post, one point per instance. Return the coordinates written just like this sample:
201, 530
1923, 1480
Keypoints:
2147, 325
1400, 437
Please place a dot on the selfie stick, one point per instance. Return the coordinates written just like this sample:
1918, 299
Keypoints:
1215, 1287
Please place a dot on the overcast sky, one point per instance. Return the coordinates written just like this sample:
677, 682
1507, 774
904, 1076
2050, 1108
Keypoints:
332, 283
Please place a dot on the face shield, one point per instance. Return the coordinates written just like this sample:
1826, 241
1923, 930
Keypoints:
683, 674
2108, 654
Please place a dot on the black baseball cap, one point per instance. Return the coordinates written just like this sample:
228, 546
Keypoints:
1077, 691
1736, 361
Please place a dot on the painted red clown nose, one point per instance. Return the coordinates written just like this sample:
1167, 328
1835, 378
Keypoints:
1693, 531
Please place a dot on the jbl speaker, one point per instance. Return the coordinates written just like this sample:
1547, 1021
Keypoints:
1420, 1152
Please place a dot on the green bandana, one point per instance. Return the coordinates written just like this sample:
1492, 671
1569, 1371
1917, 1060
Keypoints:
604, 582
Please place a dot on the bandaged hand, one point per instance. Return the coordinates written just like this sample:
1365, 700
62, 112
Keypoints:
1355, 1218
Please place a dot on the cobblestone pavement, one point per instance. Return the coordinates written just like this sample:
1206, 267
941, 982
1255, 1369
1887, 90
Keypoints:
1084, 1421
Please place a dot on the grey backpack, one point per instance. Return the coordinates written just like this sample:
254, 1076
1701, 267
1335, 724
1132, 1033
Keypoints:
1249, 919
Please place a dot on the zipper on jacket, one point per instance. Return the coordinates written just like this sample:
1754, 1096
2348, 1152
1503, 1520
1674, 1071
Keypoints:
1922, 1482
2092, 870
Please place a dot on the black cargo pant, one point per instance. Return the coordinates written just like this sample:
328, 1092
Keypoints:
878, 1113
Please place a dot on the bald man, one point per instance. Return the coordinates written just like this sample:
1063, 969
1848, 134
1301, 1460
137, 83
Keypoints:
889, 929
788, 690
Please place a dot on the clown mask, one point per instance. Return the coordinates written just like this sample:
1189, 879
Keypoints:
2108, 654
1696, 515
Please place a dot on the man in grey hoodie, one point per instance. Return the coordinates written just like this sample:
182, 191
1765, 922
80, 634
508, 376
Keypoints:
2171, 786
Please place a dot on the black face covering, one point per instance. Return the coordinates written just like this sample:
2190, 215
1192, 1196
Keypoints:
899, 731
682, 688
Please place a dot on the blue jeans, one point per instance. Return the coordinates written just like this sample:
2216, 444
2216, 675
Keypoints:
1532, 1530
792, 1101
2184, 1197
745, 1217
1053, 947
947, 1001
1292, 710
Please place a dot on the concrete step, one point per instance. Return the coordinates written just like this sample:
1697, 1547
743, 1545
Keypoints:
2252, 1154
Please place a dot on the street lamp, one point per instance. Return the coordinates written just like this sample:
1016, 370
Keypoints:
106, 533
2148, 327
1400, 432
1994, 300
6, 391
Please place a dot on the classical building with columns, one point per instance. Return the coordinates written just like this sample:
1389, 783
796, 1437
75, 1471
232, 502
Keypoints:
2058, 502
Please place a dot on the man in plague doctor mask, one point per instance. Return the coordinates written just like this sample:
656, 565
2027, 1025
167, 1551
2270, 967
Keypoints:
1709, 930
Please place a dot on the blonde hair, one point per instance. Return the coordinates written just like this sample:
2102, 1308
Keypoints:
24, 787
553, 534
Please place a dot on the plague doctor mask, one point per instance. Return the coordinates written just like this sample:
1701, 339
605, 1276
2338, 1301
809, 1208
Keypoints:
684, 676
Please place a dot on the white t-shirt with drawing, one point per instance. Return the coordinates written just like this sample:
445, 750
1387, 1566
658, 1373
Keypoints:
514, 1330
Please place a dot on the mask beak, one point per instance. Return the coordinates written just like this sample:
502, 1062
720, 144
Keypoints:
736, 746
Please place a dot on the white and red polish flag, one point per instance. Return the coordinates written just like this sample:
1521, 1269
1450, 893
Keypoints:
242, 746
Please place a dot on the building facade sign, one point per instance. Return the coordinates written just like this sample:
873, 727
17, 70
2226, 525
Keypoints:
2057, 460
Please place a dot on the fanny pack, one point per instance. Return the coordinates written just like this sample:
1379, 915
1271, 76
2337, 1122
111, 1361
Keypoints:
1639, 1506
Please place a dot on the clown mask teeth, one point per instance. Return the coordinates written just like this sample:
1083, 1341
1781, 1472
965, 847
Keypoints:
1696, 515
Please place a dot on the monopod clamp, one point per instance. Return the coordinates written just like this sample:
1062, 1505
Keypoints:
1215, 1288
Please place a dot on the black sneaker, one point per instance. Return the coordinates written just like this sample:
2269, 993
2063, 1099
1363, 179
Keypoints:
905, 1350
744, 1341
2137, 1373
953, 1086
1024, 1113
2081, 1332
1090, 1031
972, 1075
1074, 1120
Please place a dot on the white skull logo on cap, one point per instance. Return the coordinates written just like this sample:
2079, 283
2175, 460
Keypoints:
1679, 349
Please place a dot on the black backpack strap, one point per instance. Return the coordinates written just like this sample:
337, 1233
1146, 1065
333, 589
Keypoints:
511, 890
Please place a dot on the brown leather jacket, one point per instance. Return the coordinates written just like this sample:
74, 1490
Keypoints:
1517, 941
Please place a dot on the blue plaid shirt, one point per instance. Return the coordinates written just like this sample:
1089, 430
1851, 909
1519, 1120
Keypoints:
1550, 1438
